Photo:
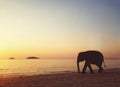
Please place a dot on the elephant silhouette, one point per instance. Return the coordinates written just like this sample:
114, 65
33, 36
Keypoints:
90, 57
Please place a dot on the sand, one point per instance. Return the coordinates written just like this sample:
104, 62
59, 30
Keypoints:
109, 78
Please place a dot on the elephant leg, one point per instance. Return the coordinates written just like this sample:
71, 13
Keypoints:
91, 71
100, 69
85, 66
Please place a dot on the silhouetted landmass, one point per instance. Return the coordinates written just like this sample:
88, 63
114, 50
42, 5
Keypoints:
32, 57
11, 58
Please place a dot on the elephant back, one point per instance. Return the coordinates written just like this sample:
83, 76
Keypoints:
93, 56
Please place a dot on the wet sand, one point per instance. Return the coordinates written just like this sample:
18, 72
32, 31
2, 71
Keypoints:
109, 78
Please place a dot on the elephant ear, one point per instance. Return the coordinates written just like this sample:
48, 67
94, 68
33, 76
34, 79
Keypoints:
81, 56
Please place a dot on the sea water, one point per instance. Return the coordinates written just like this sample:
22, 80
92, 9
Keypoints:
46, 66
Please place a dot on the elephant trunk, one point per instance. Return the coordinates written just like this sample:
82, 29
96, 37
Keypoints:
78, 67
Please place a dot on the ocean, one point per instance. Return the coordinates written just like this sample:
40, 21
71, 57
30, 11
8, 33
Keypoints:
46, 66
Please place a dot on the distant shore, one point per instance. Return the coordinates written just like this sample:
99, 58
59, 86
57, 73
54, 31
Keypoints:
109, 78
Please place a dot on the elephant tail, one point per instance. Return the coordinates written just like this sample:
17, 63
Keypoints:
104, 63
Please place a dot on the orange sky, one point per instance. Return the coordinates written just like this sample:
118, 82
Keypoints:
58, 29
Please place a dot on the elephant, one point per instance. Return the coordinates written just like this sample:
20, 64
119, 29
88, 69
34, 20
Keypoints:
90, 57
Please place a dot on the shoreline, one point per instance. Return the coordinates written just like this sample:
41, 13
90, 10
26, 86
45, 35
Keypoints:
110, 77
50, 73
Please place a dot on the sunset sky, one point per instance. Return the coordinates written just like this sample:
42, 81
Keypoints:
59, 28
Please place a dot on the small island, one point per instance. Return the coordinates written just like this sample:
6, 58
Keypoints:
33, 57
11, 58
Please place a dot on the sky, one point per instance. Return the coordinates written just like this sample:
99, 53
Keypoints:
59, 28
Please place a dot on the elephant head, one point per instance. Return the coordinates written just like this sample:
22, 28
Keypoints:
81, 57
90, 57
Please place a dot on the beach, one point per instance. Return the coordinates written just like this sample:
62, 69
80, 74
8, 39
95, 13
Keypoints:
109, 78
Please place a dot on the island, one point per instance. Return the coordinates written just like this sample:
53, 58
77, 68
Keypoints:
33, 57
11, 58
